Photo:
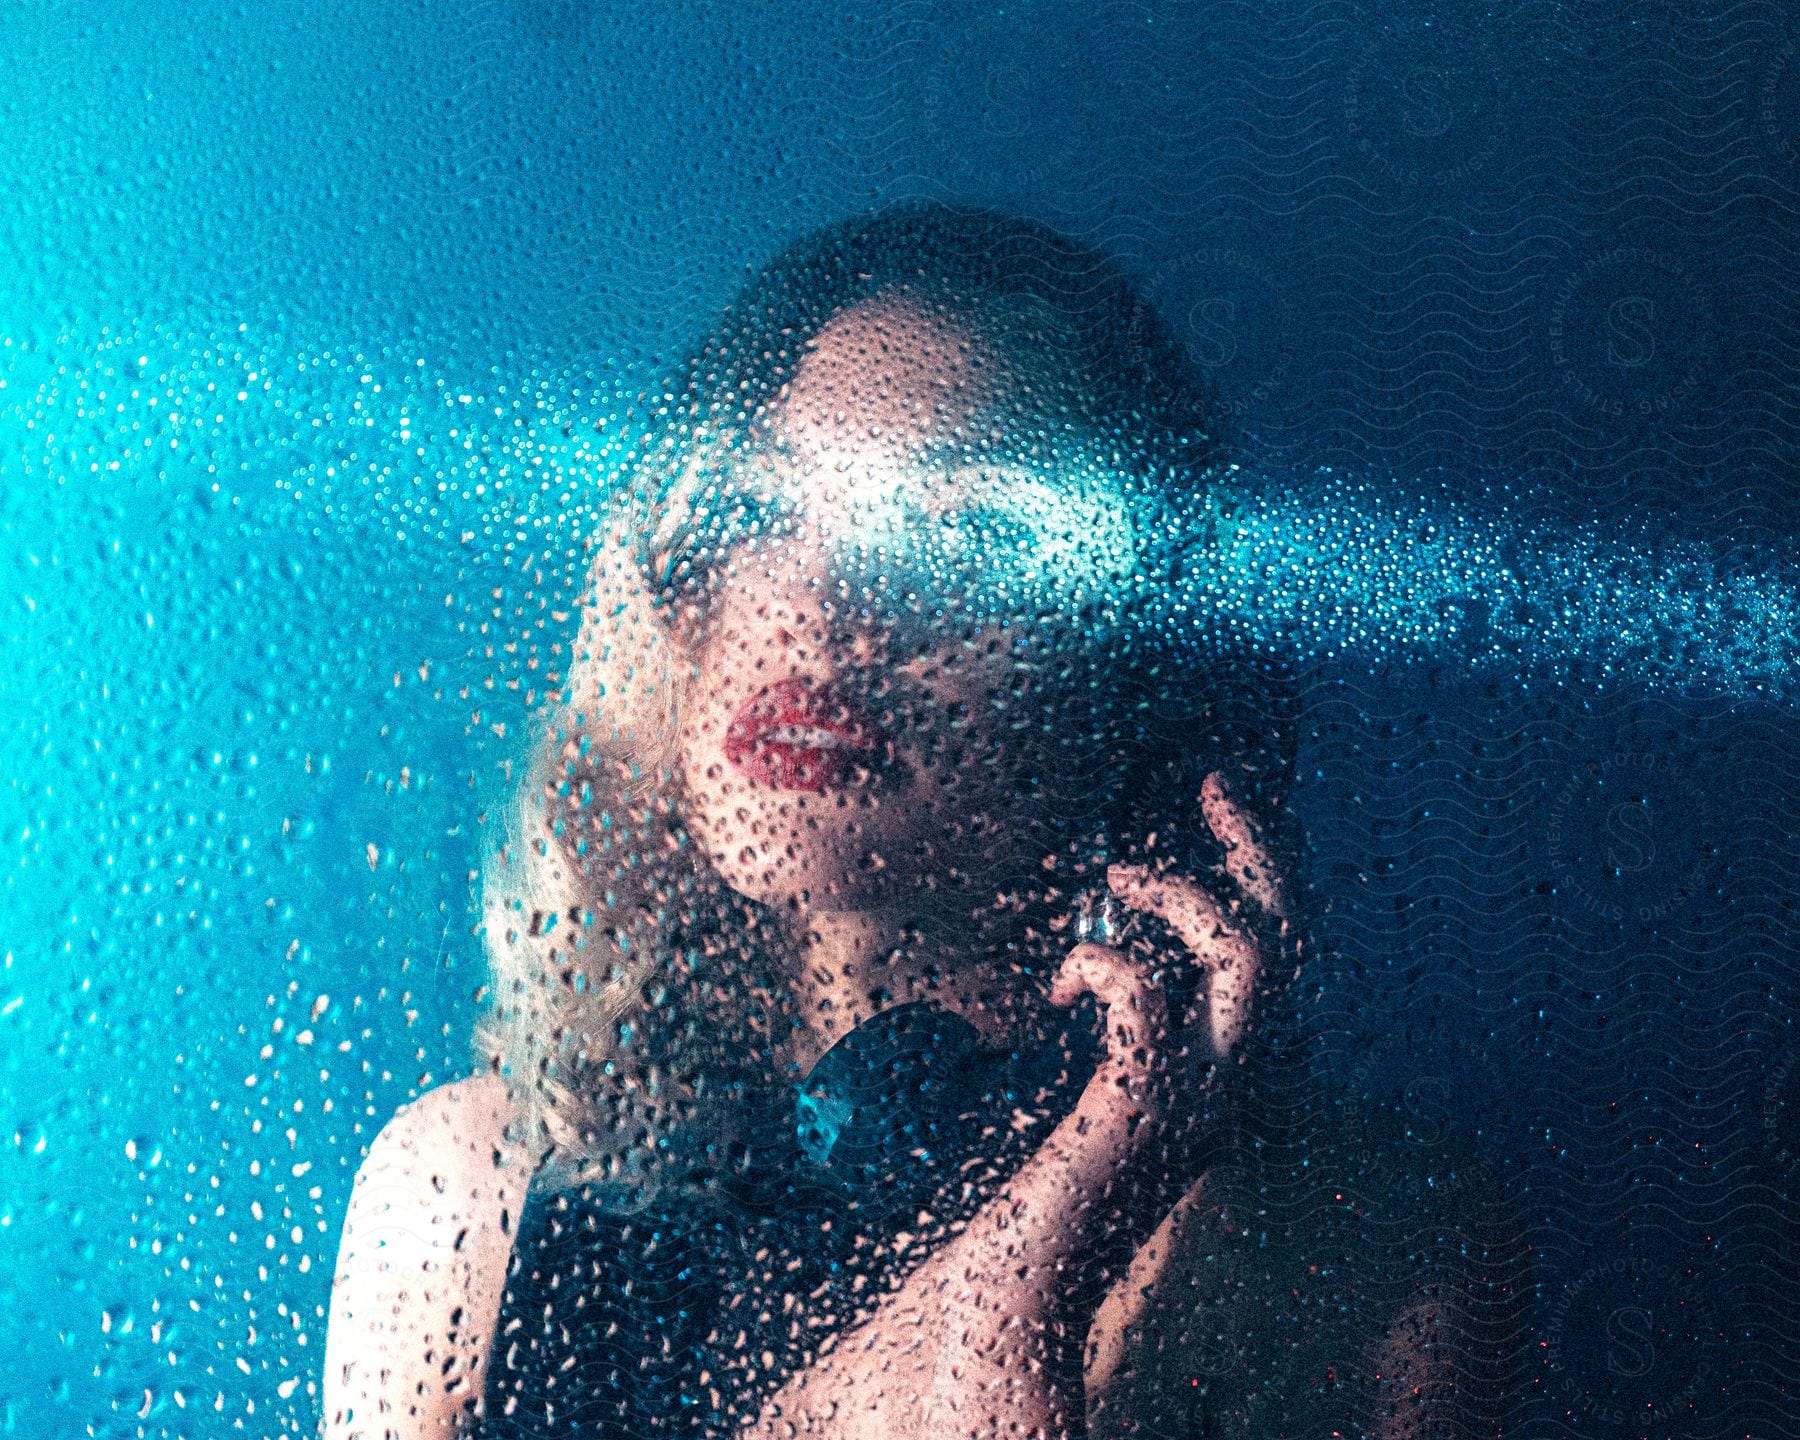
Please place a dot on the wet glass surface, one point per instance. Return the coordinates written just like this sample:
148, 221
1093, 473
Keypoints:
724, 717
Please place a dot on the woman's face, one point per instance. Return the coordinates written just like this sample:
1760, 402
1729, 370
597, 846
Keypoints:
843, 761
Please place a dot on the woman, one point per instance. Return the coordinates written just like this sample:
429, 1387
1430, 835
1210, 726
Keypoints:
877, 948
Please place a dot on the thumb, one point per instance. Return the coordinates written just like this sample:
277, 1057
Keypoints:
1137, 1013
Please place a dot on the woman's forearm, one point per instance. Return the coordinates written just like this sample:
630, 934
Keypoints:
1012, 1314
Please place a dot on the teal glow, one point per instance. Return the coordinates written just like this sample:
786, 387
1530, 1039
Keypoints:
1338, 570
1324, 569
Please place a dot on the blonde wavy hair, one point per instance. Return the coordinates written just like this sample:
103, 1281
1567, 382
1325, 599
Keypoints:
593, 898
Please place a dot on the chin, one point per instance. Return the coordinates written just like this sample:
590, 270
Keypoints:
821, 882
833, 877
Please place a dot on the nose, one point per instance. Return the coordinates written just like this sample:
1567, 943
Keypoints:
864, 649
809, 642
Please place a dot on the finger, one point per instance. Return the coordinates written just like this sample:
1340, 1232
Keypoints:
1188, 908
1228, 996
1136, 1011
1049, 1208
1247, 855
1231, 959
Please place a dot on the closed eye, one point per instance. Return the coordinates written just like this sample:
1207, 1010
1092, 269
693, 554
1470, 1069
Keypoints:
718, 521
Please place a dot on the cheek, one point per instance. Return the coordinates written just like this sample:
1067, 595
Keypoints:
705, 775
1041, 749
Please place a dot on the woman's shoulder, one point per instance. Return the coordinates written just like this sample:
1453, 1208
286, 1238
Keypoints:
423, 1248
1303, 1275
461, 1131
476, 1103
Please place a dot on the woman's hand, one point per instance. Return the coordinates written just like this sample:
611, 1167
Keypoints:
985, 1337
1232, 939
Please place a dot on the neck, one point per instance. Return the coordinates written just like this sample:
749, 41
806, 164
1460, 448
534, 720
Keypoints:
854, 964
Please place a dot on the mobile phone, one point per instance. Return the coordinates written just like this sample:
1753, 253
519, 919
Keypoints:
1102, 920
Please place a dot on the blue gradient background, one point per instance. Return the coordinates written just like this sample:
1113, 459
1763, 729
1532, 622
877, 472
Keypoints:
258, 689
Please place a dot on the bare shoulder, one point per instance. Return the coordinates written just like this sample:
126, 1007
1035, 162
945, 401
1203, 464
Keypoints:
445, 1157
463, 1122
1358, 1275
421, 1263
444, 1173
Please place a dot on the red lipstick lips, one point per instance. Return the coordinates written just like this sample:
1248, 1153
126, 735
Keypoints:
793, 736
